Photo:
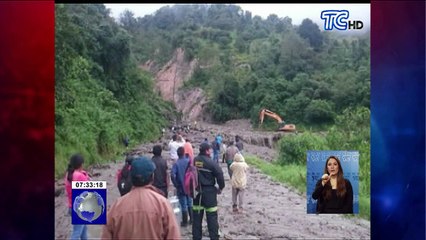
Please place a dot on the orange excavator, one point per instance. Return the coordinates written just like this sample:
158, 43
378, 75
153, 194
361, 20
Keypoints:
282, 125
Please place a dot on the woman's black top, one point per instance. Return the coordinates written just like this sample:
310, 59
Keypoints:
335, 204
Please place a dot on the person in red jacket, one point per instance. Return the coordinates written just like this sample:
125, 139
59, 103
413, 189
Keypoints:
189, 150
75, 172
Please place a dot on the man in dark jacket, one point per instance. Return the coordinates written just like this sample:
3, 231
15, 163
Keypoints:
161, 178
206, 200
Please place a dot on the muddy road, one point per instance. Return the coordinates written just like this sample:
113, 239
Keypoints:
271, 210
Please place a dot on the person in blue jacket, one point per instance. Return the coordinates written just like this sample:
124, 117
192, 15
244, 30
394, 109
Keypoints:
177, 176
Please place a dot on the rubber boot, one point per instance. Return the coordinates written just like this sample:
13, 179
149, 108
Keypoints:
190, 215
184, 222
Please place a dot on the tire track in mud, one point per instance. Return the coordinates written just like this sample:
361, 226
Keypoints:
271, 210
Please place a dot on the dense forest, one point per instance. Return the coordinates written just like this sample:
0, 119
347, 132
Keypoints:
246, 63
100, 94
318, 80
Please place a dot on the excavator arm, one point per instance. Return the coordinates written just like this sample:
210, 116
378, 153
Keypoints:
282, 125
271, 114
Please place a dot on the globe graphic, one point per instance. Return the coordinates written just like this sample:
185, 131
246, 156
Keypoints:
89, 205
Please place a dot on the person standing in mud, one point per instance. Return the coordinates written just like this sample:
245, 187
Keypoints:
239, 144
216, 148
239, 181
177, 176
229, 156
334, 193
189, 151
174, 144
209, 173
75, 172
143, 213
161, 178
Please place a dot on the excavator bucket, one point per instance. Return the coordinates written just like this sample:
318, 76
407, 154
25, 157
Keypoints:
288, 128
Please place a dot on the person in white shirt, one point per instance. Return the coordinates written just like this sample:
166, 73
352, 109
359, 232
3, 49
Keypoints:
174, 144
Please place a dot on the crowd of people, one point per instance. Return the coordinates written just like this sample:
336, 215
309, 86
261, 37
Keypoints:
145, 202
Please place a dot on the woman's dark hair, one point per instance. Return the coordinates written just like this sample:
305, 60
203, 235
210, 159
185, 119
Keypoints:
156, 150
341, 187
76, 161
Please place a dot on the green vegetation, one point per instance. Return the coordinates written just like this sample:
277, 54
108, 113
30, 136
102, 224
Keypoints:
292, 174
101, 95
247, 63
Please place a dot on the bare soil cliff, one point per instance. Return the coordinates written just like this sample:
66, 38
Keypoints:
170, 78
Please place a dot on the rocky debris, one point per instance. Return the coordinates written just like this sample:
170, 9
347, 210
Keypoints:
168, 82
171, 76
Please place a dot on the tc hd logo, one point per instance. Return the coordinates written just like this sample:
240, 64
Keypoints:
339, 19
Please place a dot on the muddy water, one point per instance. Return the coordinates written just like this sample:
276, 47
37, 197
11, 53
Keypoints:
271, 210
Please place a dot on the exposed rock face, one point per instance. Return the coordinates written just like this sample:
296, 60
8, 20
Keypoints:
190, 103
172, 76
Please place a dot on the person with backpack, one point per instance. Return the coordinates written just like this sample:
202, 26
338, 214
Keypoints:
209, 173
143, 213
239, 181
161, 177
124, 183
229, 156
177, 175
75, 172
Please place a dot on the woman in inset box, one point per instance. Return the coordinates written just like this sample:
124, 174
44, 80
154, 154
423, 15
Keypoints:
333, 192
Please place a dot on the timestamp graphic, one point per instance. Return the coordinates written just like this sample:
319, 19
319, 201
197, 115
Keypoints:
88, 202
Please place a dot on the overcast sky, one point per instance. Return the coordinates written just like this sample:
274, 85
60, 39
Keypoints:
297, 12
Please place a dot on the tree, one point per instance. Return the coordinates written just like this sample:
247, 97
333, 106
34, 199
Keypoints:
319, 112
309, 30
128, 21
294, 55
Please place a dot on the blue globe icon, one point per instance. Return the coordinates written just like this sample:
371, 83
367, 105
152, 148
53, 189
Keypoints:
89, 206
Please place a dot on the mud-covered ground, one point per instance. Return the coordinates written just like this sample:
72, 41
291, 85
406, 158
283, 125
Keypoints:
272, 210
